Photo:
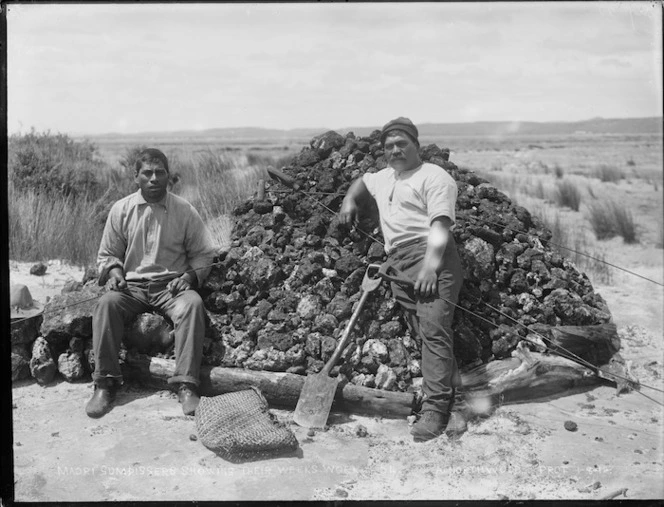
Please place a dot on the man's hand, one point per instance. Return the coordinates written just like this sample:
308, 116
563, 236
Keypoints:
178, 285
426, 284
348, 212
357, 193
116, 279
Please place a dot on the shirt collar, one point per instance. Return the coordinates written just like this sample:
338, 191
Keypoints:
398, 174
140, 200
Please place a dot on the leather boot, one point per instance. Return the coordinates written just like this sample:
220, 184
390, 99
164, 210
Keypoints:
430, 425
188, 397
459, 415
103, 397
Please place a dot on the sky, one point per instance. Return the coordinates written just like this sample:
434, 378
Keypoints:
125, 68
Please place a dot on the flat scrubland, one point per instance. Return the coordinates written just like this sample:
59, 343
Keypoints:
596, 193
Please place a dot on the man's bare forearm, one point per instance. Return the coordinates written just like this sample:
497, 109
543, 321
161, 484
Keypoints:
437, 243
357, 193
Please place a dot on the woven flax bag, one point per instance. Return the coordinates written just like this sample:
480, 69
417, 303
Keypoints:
239, 426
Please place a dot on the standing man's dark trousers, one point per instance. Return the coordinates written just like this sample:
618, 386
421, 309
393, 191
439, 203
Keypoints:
431, 319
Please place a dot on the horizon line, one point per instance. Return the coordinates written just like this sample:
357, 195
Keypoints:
325, 129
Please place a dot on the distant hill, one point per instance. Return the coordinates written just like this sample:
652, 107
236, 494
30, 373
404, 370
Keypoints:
653, 125
504, 128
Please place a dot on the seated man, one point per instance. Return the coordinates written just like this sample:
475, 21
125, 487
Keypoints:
154, 251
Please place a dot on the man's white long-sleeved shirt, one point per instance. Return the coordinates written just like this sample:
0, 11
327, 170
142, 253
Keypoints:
155, 240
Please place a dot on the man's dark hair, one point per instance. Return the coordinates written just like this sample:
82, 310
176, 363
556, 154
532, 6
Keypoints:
151, 156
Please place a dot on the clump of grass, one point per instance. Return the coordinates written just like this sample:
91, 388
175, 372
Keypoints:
559, 236
608, 173
624, 223
54, 188
567, 194
601, 220
216, 181
575, 247
593, 264
609, 219
43, 227
539, 191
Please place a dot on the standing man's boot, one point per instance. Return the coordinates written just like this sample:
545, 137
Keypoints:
459, 415
188, 397
103, 397
431, 424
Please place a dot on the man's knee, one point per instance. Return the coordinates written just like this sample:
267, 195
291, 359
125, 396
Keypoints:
188, 302
110, 302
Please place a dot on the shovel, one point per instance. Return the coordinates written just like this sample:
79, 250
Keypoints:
313, 406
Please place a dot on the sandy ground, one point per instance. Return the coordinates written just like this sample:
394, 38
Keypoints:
145, 449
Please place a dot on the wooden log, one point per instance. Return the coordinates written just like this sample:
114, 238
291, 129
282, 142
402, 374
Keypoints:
596, 344
528, 376
279, 388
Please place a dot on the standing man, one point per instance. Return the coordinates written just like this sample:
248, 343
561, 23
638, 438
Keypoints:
416, 202
154, 252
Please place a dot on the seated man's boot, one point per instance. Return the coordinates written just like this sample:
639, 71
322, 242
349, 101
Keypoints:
430, 425
103, 397
459, 415
188, 397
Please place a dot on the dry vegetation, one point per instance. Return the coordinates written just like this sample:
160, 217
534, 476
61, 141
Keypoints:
587, 189
60, 190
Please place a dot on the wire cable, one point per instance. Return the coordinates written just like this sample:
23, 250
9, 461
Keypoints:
485, 221
567, 354
145, 283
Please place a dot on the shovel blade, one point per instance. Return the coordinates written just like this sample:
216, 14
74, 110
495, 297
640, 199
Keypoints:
313, 406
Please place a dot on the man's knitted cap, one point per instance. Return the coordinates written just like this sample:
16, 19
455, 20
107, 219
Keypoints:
400, 123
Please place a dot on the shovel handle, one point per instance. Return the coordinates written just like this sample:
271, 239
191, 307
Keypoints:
344, 338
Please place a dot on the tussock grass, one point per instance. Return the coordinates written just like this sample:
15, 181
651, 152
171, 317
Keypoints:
52, 227
51, 223
601, 220
216, 182
567, 194
608, 173
539, 191
609, 218
624, 223
558, 171
573, 244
